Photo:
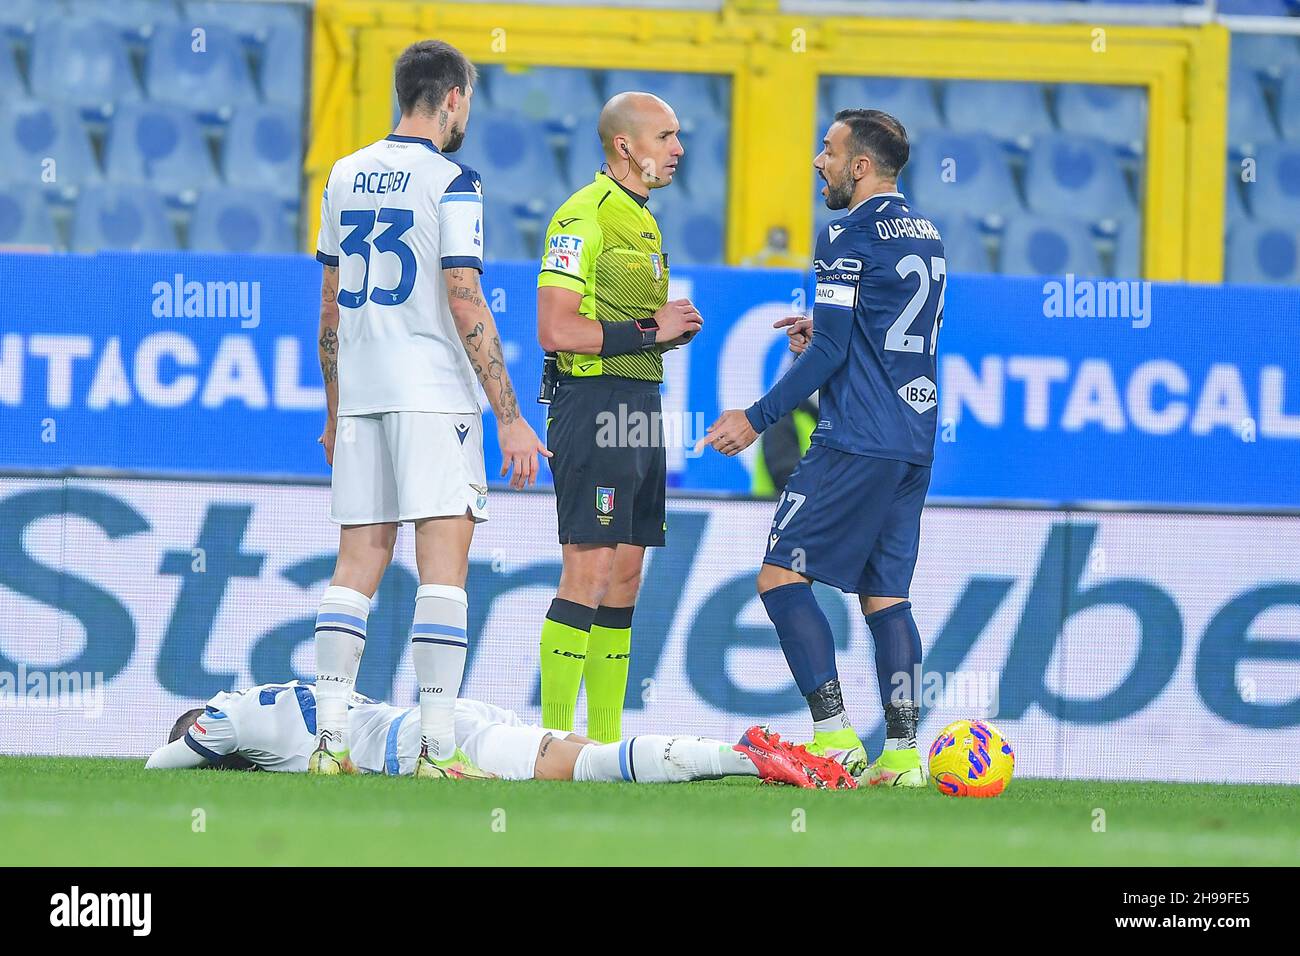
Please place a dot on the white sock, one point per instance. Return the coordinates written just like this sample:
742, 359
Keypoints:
828, 725
340, 640
438, 647
649, 758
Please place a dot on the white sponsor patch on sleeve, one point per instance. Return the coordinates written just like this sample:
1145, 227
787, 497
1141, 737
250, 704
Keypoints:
833, 293
564, 254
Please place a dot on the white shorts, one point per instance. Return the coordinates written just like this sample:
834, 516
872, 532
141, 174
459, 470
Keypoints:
492, 737
403, 466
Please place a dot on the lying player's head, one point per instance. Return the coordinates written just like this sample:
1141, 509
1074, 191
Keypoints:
435, 81
863, 152
639, 133
185, 721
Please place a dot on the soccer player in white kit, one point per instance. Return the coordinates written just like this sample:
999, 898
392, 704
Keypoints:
405, 338
273, 727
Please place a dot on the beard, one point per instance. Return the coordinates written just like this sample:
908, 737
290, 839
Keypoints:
455, 137
839, 192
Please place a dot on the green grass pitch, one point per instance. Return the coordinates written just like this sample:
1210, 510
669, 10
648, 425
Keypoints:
61, 811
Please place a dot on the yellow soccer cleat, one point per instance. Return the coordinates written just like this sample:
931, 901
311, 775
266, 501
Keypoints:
842, 746
325, 762
456, 767
896, 768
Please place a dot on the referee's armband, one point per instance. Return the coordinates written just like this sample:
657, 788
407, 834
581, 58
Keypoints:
623, 338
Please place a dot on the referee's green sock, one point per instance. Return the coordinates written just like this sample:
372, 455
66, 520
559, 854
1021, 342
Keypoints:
608, 654
564, 648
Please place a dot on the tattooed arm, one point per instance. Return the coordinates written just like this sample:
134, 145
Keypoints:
328, 349
478, 334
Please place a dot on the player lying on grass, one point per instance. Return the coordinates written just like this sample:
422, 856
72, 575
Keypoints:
273, 727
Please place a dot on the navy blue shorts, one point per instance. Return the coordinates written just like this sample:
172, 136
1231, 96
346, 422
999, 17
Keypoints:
851, 521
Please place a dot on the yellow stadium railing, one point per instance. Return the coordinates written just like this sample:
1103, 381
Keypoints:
774, 61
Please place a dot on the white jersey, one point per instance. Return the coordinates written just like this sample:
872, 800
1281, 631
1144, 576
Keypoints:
393, 216
273, 726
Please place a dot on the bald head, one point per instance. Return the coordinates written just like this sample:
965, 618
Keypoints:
640, 130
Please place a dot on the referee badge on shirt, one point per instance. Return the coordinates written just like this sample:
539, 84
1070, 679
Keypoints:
658, 265
604, 505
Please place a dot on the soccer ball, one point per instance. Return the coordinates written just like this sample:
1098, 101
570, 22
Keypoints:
971, 758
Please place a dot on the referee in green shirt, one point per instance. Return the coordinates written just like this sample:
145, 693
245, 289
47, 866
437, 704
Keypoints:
603, 311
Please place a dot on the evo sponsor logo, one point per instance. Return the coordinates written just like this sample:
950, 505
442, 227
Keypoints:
75, 909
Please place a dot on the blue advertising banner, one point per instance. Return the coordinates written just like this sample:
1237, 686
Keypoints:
1049, 391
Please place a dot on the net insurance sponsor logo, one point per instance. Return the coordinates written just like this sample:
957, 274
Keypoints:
78, 907
1035, 609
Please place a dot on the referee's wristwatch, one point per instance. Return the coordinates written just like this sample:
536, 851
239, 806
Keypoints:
649, 329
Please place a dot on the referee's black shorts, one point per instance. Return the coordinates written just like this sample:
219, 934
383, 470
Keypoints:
610, 469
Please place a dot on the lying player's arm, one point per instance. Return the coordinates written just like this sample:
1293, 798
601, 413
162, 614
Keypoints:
562, 328
478, 334
327, 342
822, 358
176, 755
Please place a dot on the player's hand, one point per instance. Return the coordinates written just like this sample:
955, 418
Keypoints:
326, 440
678, 319
798, 329
730, 434
520, 447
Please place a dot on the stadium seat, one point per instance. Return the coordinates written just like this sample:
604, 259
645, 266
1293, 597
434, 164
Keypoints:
961, 173
1011, 112
703, 168
962, 246
82, 64
159, 145
1076, 177
284, 76
1275, 195
18, 18
691, 95
1255, 8
239, 220
553, 94
263, 150
253, 22
503, 240
1288, 104
1260, 253
129, 218
1048, 245
1268, 54
211, 83
1128, 250
1113, 114
512, 155
32, 132
135, 19
1249, 122
25, 220
10, 78
908, 99
584, 156
691, 236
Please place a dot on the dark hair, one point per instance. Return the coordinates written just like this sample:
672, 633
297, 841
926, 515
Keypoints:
880, 136
183, 723
427, 71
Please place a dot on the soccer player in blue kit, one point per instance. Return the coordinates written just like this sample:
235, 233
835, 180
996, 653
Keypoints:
850, 515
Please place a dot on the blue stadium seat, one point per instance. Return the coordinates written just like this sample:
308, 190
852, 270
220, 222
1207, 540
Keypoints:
253, 22
211, 83
1255, 8
510, 152
128, 218
1076, 177
962, 246
1234, 208
18, 18
1012, 112
1048, 245
1275, 195
1268, 54
25, 220
1128, 250
907, 98
557, 95
1249, 122
703, 168
82, 64
239, 220
692, 236
1113, 114
965, 173
691, 95
32, 132
1263, 254
503, 240
585, 155
10, 78
263, 150
135, 19
284, 68
1288, 104
159, 145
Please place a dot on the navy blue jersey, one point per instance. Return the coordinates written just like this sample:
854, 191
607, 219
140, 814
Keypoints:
881, 277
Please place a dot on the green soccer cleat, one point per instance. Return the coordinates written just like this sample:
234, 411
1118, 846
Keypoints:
456, 767
896, 768
842, 746
325, 762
